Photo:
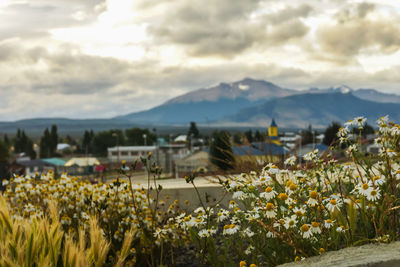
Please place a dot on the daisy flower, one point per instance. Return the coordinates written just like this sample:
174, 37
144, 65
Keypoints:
270, 210
340, 229
313, 200
290, 222
291, 161
315, 228
238, 194
291, 188
263, 180
373, 194
364, 188
268, 194
360, 121
306, 231
378, 180
328, 223
230, 229
232, 204
248, 232
298, 212
333, 204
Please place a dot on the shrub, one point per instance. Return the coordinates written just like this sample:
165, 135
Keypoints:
275, 216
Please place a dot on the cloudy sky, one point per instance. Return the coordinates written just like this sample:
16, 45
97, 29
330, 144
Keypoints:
102, 58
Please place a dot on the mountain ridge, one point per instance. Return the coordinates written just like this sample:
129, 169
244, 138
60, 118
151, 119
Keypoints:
315, 109
216, 104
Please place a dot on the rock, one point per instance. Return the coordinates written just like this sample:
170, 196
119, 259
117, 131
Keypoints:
372, 255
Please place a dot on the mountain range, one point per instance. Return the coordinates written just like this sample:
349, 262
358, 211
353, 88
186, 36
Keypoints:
252, 102
248, 102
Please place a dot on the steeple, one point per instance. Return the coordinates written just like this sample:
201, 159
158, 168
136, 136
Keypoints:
273, 123
273, 135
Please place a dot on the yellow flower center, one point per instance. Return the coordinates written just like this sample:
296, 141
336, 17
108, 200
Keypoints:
299, 213
226, 226
232, 226
333, 201
283, 196
268, 189
305, 228
269, 206
292, 187
329, 221
315, 224
365, 186
373, 193
313, 194
321, 250
242, 264
291, 223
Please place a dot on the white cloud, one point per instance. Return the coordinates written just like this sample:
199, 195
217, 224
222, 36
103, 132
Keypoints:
100, 58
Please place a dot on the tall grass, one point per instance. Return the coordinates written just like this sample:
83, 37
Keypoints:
42, 242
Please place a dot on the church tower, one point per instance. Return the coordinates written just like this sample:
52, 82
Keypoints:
273, 133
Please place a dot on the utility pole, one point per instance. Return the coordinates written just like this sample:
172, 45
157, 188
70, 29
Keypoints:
145, 139
117, 136
314, 138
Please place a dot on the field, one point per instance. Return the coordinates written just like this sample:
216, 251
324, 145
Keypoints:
275, 215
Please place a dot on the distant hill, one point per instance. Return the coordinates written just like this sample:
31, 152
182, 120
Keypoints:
316, 109
250, 89
366, 94
70, 126
373, 95
247, 102
211, 104
217, 104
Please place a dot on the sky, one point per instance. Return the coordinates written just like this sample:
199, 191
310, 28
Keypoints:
103, 58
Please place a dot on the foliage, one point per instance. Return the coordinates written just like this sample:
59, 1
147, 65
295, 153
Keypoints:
238, 138
41, 241
48, 142
274, 216
366, 130
131, 224
4, 152
193, 131
87, 145
53, 141
330, 134
103, 140
258, 137
249, 136
135, 137
308, 136
7, 141
281, 215
23, 144
221, 154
